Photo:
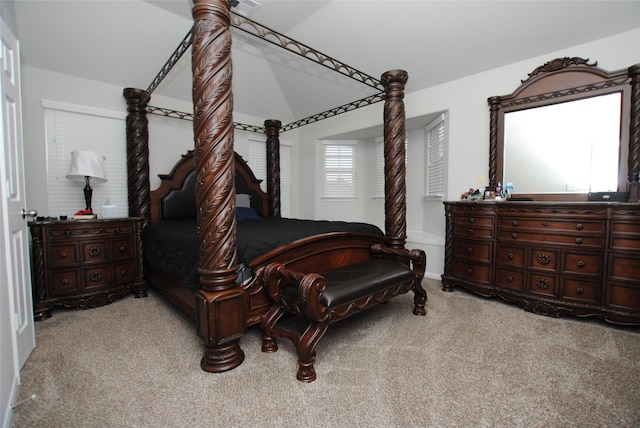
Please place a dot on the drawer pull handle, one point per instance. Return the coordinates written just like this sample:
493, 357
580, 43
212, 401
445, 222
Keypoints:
514, 235
509, 278
542, 283
544, 259
123, 249
579, 226
65, 281
578, 240
579, 290
511, 256
470, 271
580, 264
123, 272
471, 231
63, 255
472, 220
514, 222
94, 251
95, 276
469, 250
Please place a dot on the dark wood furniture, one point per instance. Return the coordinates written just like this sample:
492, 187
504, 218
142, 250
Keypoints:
551, 258
221, 310
85, 263
323, 298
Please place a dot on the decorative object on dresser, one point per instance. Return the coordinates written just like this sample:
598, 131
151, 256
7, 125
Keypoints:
551, 258
85, 263
86, 166
573, 252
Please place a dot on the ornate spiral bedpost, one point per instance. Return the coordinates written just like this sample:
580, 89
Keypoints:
634, 134
494, 109
273, 166
395, 189
220, 302
138, 154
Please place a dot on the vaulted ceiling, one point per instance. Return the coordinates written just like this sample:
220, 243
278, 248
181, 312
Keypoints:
126, 42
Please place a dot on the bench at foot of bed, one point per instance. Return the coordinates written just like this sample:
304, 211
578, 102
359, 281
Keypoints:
323, 298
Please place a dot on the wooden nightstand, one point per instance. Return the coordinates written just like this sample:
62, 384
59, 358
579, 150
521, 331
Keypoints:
85, 263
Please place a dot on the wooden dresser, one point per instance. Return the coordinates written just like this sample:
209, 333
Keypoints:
551, 258
85, 263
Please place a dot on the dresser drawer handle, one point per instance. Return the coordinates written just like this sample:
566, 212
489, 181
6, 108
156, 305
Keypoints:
579, 226
509, 278
63, 255
123, 272
579, 290
469, 250
470, 271
94, 251
472, 220
471, 231
514, 222
544, 259
542, 283
65, 281
514, 235
95, 276
511, 256
123, 249
578, 240
580, 264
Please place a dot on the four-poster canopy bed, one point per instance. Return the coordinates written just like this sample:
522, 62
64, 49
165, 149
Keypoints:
227, 291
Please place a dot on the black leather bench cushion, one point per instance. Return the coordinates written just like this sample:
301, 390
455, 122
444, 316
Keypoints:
352, 282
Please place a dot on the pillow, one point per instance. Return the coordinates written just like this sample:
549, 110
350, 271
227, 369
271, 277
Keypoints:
243, 214
243, 200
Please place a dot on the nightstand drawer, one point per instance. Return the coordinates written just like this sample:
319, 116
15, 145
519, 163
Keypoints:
63, 283
62, 255
96, 277
122, 249
124, 273
95, 252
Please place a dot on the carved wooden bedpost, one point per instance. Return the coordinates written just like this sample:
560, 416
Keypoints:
395, 189
273, 161
220, 303
494, 110
634, 135
138, 154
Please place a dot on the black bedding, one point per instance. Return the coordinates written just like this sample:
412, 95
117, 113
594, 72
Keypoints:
171, 246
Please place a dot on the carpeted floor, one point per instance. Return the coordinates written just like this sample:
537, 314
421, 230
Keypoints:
471, 362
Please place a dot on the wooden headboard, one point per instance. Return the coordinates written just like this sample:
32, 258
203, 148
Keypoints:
175, 197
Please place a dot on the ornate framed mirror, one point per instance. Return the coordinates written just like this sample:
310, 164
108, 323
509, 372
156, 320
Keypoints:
569, 129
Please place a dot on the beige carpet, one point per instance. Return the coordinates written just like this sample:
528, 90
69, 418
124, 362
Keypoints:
471, 362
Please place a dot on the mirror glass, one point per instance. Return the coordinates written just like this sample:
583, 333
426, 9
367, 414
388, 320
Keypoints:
570, 147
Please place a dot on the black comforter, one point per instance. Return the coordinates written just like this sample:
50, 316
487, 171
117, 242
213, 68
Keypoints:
172, 246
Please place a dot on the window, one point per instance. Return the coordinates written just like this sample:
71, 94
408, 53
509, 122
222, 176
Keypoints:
70, 128
435, 159
258, 162
340, 170
380, 164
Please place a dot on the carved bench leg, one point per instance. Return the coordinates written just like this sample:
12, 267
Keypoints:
307, 350
268, 324
419, 299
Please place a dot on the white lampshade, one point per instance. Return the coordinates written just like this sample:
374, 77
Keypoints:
84, 164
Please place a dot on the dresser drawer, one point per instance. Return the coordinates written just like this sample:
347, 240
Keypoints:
624, 296
473, 232
97, 277
583, 263
471, 250
474, 220
551, 238
64, 255
63, 283
550, 225
542, 284
124, 273
122, 249
582, 291
510, 278
471, 272
508, 255
624, 267
544, 259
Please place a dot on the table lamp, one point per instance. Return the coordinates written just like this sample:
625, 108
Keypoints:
87, 166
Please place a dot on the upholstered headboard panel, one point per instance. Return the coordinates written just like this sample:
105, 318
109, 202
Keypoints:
175, 198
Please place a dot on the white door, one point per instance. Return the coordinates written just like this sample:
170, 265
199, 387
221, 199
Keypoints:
16, 236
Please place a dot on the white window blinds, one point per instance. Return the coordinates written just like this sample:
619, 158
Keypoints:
340, 170
70, 128
435, 158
